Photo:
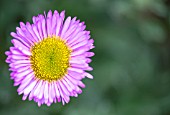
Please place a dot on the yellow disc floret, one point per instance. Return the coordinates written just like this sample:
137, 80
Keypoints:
50, 58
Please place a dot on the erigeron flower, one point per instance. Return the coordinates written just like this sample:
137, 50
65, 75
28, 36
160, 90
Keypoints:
50, 58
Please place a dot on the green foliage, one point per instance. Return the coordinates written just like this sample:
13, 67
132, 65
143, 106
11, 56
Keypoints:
131, 65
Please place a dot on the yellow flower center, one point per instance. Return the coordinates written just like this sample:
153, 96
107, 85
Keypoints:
50, 58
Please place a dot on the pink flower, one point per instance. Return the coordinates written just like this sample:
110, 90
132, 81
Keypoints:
50, 58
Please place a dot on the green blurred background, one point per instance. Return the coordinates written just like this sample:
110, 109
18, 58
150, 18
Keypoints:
131, 65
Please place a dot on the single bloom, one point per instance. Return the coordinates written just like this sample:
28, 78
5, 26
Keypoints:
50, 58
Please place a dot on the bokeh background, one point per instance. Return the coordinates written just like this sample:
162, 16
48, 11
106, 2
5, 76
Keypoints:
131, 65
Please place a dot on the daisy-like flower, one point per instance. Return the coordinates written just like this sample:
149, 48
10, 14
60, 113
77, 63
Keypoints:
50, 58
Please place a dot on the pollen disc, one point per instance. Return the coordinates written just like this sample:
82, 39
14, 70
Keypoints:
50, 58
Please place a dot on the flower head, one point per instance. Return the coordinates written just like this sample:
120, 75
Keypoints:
50, 58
